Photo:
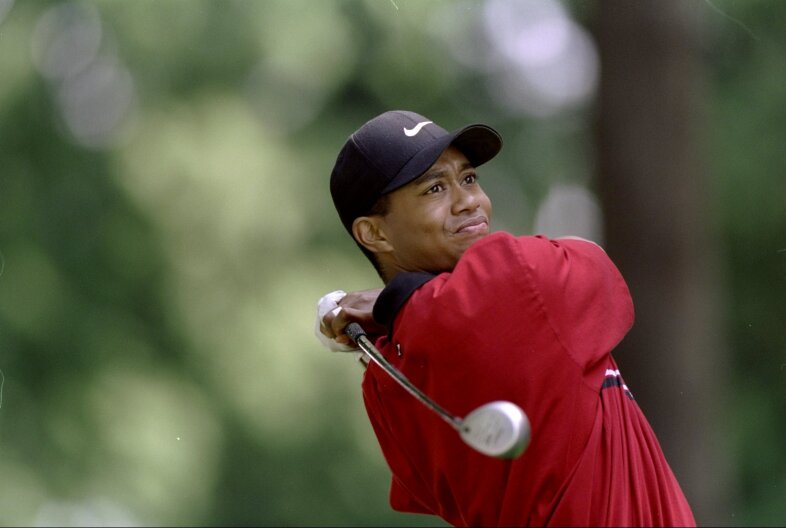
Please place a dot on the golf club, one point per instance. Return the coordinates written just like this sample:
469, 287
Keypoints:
498, 429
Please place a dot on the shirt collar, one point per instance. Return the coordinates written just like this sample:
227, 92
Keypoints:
395, 294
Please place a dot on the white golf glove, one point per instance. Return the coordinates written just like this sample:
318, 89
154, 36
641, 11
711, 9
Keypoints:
326, 304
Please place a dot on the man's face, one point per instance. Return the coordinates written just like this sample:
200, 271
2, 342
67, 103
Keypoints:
432, 220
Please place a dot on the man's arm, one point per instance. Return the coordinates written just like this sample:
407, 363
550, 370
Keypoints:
572, 237
585, 297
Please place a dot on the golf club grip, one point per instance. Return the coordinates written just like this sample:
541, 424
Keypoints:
354, 331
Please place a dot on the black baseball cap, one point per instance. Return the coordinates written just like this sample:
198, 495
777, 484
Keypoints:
393, 149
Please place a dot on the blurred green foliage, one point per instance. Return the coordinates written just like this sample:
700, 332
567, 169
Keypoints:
163, 244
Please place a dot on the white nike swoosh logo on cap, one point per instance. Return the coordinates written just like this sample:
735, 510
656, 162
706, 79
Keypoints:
412, 132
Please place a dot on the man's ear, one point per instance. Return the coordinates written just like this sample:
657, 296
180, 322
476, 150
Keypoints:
369, 232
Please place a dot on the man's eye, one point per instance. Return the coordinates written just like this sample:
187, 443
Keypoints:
437, 187
471, 178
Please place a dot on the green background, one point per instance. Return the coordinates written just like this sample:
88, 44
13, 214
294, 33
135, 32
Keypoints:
166, 231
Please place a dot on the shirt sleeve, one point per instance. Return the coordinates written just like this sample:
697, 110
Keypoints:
404, 469
403, 501
585, 298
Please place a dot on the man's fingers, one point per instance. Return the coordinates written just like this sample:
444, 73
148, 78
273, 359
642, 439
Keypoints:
333, 325
338, 324
326, 324
334, 322
340, 319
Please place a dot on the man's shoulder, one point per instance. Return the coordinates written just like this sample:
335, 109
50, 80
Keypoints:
527, 247
503, 250
498, 242
491, 266
496, 268
508, 261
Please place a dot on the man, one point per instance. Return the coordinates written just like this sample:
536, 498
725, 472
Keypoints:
471, 317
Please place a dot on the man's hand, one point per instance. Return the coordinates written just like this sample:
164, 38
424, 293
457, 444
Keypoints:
355, 307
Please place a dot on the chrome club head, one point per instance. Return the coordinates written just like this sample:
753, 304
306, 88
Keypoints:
499, 429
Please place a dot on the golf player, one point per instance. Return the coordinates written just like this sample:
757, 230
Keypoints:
470, 317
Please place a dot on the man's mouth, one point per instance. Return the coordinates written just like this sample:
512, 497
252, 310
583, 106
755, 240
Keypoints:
473, 226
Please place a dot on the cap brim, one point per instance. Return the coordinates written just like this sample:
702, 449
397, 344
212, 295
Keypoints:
479, 143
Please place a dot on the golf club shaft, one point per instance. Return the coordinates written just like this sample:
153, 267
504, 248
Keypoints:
357, 334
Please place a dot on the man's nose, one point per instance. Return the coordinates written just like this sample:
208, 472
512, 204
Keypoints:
465, 199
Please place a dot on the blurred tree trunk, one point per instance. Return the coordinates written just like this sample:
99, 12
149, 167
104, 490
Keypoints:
653, 189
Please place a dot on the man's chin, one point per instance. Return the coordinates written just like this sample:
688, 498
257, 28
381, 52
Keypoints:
468, 239
474, 236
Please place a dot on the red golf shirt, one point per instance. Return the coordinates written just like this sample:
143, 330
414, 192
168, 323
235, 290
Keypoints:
532, 321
